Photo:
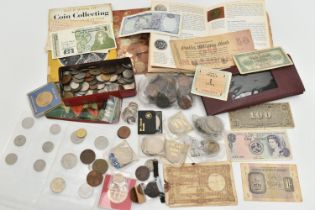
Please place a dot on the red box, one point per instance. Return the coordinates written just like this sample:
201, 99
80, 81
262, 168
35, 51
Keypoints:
109, 68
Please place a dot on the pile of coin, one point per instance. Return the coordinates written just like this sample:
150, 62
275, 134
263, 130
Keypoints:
94, 80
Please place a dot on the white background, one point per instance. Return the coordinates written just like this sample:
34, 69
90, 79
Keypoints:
23, 67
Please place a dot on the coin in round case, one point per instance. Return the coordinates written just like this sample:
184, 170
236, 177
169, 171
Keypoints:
85, 191
11, 159
69, 161
55, 129
39, 165
48, 146
28, 122
57, 185
19, 140
101, 142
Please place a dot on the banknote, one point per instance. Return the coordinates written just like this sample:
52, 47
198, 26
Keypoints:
258, 145
271, 182
210, 51
201, 184
270, 115
261, 60
146, 22
211, 83
95, 38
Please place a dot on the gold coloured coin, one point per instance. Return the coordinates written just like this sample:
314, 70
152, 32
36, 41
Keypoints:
44, 99
57, 185
81, 133
105, 77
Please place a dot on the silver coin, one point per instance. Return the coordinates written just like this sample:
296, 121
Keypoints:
55, 129
85, 191
48, 146
74, 85
85, 86
69, 161
39, 165
19, 140
75, 139
99, 78
28, 122
149, 164
101, 142
11, 159
80, 76
67, 88
127, 74
113, 78
100, 86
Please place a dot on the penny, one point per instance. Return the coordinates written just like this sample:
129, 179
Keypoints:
101, 142
149, 164
57, 185
55, 129
28, 122
69, 161
123, 132
185, 102
81, 133
11, 159
48, 146
39, 165
75, 139
66, 79
94, 178
19, 140
142, 173
100, 165
85, 191
44, 99
152, 190
87, 156
162, 101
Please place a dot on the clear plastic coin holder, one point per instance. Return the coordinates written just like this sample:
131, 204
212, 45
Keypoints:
26, 162
76, 191
151, 145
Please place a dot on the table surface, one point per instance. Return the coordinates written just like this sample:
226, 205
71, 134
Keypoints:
24, 68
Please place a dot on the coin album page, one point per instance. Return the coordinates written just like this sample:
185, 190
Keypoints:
34, 187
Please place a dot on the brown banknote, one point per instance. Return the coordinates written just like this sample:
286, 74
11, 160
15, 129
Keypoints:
199, 185
270, 115
271, 182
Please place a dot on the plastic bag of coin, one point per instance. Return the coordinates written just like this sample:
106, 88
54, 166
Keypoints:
184, 96
152, 145
176, 151
121, 155
177, 125
209, 127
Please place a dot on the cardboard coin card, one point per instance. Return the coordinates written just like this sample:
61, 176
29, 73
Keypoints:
149, 122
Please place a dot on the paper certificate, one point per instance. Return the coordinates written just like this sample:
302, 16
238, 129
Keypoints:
211, 51
211, 83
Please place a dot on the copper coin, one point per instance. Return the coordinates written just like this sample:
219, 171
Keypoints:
185, 102
133, 195
94, 178
66, 79
87, 156
100, 165
142, 173
152, 190
123, 132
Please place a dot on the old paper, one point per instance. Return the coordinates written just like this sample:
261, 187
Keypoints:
271, 182
76, 41
258, 145
211, 83
211, 51
261, 60
199, 185
270, 115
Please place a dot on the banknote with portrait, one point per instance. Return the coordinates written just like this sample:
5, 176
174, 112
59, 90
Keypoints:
151, 22
271, 182
95, 38
258, 145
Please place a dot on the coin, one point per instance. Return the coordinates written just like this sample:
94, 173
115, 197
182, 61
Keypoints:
67, 95
11, 159
28, 122
48, 146
57, 185
87, 156
162, 101
100, 165
129, 86
81, 133
19, 140
185, 102
133, 195
210, 147
123, 132
105, 77
80, 75
113, 77
152, 190
127, 74
101, 142
94, 72
149, 164
66, 79
94, 178
55, 129
74, 85
85, 191
85, 86
44, 99
142, 173
75, 139
39, 165
69, 161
